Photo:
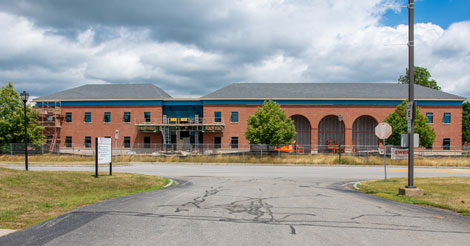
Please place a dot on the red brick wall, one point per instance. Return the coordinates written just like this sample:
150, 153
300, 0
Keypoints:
231, 129
78, 129
452, 130
315, 113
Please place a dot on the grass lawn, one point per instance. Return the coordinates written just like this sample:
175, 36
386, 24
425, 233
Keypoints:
451, 193
28, 198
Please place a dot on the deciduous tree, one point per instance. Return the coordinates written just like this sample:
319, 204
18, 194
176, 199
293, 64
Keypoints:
422, 77
399, 124
12, 118
466, 123
269, 125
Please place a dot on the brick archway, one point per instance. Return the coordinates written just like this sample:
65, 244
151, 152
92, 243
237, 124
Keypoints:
363, 133
330, 131
302, 131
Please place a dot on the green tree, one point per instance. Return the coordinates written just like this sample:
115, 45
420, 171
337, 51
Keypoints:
269, 125
422, 77
399, 124
12, 118
466, 122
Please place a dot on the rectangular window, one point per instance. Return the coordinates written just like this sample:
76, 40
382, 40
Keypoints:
88, 117
127, 142
107, 117
234, 143
146, 142
147, 116
446, 118
217, 117
68, 142
430, 117
68, 117
87, 142
446, 144
127, 116
234, 117
217, 142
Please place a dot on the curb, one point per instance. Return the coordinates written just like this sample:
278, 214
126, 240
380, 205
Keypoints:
355, 185
169, 184
4, 232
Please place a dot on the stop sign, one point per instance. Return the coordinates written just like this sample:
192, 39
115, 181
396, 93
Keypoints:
383, 130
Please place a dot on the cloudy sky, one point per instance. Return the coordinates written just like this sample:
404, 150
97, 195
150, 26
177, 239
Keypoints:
190, 48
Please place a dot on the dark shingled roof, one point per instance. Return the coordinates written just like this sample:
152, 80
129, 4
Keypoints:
327, 91
109, 91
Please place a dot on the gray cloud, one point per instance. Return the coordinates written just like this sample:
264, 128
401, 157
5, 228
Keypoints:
190, 48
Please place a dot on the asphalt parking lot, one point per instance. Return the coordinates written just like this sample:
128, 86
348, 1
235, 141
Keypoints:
253, 205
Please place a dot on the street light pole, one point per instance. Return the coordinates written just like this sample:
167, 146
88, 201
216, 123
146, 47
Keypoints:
24, 96
340, 119
411, 100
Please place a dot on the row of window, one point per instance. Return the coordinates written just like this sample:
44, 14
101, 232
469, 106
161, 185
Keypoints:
127, 117
445, 119
233, 117
218, 142
217, 117
87, 142
107, 117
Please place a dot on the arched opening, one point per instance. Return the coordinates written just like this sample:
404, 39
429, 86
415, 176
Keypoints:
363, 133
330, 133
302, 132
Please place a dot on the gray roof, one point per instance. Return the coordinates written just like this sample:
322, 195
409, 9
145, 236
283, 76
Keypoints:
327, 91
109, 91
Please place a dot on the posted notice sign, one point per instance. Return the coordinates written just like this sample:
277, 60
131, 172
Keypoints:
398, 154
104, 150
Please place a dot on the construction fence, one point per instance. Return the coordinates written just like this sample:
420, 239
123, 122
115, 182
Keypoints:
232, 149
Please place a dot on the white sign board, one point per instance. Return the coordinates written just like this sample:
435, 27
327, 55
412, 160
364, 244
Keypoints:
383, 130
409, 111
398, 154
404, 140
104, 150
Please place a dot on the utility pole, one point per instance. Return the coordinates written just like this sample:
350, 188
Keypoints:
410, 189
411, 98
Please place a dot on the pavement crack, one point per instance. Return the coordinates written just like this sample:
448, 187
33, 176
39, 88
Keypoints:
292, 230
197, 201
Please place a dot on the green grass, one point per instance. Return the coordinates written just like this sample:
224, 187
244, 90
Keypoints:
28, 198
451, 193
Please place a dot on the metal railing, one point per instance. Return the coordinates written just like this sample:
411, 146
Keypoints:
179, 121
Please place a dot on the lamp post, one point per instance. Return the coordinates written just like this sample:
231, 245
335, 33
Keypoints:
411, 100
24, 96
340, 119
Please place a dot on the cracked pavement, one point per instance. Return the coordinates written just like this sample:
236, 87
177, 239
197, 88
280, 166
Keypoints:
251, 209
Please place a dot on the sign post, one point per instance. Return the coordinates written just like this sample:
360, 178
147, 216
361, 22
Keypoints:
103, 154
116, 137
383, 131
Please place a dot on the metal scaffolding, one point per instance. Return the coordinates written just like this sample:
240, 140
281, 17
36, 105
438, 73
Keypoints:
50, 118
174, 127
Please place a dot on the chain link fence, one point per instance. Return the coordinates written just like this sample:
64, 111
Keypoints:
259, 150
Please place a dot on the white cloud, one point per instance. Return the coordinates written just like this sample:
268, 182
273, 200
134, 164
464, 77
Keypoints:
232, 41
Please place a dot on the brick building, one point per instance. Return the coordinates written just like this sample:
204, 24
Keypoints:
147, 117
